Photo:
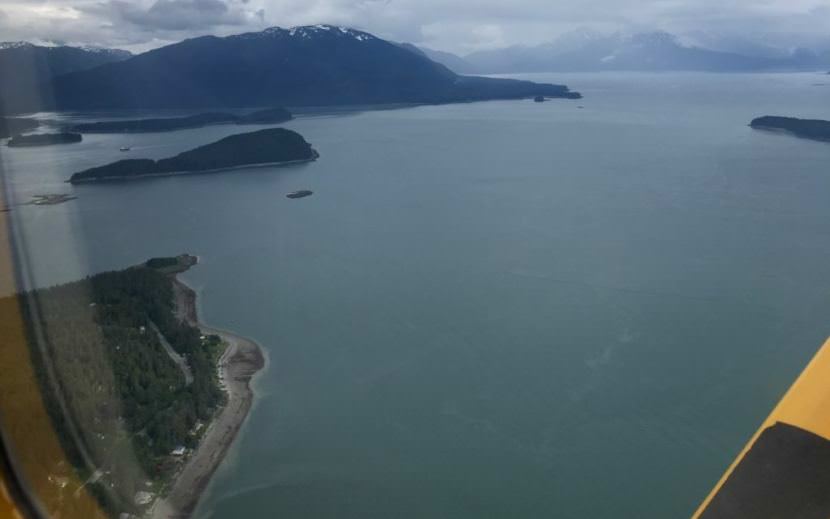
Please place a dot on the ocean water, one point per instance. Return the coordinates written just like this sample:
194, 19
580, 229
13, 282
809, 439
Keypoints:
500, 309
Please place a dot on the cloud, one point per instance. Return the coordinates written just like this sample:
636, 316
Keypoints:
179, 15
173, 15
135, 25
458, 26
453, 25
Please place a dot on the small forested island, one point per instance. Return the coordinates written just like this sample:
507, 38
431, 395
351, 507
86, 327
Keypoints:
302, 193
44, 139
133, 385
51, 199
816, 129
14, 125
269, 116
273, 146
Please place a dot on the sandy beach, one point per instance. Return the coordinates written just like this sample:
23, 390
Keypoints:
240, 361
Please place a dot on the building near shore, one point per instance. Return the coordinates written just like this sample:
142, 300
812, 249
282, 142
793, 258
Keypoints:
143, 498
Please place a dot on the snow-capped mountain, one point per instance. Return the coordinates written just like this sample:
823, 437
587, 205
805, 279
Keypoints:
309, 32
298, 66
7, 45
590, 51
50, 45
93, 53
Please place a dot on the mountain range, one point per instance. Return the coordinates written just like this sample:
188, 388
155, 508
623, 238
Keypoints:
324, 65
26, 69
319, 65
653, 51
448, 59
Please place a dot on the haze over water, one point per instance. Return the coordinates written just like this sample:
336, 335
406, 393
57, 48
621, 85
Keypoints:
500, 309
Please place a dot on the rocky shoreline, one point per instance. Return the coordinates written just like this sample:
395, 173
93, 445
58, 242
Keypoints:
242, 359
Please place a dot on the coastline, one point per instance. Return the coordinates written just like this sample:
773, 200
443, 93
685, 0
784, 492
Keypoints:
178, 128
241, 360
120, 178
787, 131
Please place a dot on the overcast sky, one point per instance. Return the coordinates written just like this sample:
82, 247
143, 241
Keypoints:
459, 26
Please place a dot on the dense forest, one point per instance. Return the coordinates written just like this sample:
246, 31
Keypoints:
167, 124
807, 128
44, 139
97, 343
273, 145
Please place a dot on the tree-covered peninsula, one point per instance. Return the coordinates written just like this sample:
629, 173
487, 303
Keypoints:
167, 124
44, 139
270, 146
126, 380
815, 129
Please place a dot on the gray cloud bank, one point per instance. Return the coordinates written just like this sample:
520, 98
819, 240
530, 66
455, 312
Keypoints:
460, 26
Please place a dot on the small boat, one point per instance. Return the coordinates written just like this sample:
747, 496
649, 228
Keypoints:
124, 148
539, 99
299, 194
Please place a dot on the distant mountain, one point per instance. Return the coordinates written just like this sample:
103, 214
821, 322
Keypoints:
27, 69
656, 51
735, 44
303, 66
452, 61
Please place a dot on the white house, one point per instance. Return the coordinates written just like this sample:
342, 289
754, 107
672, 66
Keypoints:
179, 451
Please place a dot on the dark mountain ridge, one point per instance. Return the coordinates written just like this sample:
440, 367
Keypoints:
168, 124
452, 61
304, 66
27, 69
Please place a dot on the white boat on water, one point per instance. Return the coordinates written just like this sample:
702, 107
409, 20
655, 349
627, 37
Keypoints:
124, 148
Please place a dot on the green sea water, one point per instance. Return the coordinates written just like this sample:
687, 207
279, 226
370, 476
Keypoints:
500, 309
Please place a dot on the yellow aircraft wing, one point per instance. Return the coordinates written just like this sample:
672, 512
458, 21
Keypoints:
784, 470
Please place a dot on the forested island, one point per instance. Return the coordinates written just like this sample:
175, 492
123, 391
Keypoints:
302, 193
44, 139
52, 199
269, 116
263, 147
815, 129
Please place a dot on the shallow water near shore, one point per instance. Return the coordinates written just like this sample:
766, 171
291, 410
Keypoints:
501, 309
